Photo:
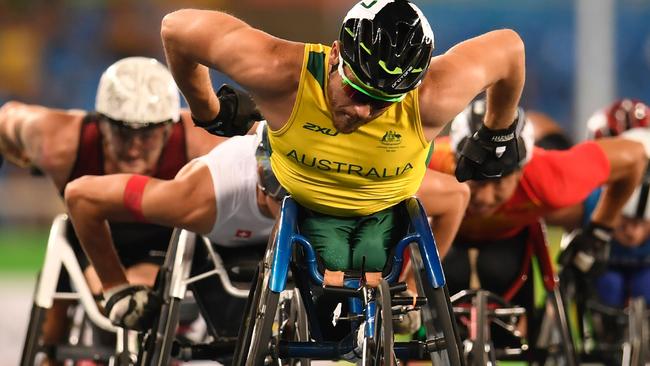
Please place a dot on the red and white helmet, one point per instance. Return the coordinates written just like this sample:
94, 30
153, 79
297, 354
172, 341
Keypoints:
138, 92
620, 116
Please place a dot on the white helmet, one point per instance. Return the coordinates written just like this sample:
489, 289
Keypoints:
638, 205
138, 91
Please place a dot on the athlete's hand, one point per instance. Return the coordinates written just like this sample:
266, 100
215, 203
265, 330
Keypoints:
491, 153
588, 250
236, 116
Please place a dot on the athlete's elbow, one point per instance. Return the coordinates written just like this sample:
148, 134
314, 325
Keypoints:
464, 194
8, 106
512, 39
513, 44
629, 161
76, 197
7, 109
170, 25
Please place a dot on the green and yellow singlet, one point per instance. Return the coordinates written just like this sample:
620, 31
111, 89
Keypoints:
357, 174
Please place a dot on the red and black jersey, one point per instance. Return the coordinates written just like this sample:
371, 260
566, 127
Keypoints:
90, 155
552, 179
133, 241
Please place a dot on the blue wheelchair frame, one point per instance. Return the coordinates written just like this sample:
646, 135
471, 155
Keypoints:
418, 232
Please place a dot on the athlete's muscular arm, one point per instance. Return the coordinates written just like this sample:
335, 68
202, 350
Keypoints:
569, 218
445, 200
187, 202
267, 67
493, 61
32, 135
627, 160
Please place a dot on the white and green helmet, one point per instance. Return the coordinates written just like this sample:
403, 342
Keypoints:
138, 92
387, 44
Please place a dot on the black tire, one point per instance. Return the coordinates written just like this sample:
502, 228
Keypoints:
566, 350
246, 329
479, 355
638, 332
31, 346
437, 315
381, 351
262, 319
158, 342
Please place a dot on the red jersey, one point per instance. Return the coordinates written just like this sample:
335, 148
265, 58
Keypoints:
552, 179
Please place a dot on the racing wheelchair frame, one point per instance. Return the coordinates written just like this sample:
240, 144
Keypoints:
190, 262
370, 310
193, 263
481, 310
614, 335
60, 255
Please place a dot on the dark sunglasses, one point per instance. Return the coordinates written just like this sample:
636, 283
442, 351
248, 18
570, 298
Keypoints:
360, 98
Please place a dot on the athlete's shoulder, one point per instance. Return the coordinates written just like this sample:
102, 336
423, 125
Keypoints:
561, 178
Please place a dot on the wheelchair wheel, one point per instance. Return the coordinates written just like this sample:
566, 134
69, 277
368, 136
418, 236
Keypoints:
255, 335
31, 346
482, 351
263, 319
437, 315
381, 347
638, 338
245, 331
158, 342
292, 320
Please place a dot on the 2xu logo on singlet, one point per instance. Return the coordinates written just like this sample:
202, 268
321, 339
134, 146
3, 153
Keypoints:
316, 128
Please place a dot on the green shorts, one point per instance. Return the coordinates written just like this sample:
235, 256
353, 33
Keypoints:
343, 242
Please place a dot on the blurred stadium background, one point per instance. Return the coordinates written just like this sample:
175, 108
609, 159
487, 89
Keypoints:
580, 55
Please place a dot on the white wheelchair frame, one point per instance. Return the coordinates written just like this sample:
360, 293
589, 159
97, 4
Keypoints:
59, 254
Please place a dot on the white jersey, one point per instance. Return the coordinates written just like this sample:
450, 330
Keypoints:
234, 174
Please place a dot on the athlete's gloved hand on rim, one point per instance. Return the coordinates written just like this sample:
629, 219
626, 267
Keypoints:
588, 250
131, 306
236, 116
491, 153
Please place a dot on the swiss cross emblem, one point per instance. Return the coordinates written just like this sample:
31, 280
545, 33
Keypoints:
243, 234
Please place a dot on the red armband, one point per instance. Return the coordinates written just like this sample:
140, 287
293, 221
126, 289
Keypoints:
133, 196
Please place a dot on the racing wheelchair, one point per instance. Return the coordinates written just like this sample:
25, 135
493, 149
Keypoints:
482, 312
59, 256
217, 280
282, 329
608, 334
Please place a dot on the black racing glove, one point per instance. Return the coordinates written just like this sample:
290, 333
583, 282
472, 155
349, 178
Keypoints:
236, 116
491, 153
588, 250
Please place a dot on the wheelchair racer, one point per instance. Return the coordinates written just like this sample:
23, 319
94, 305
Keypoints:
628, 268
137, 127
545, 181
230, 195
351, 125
